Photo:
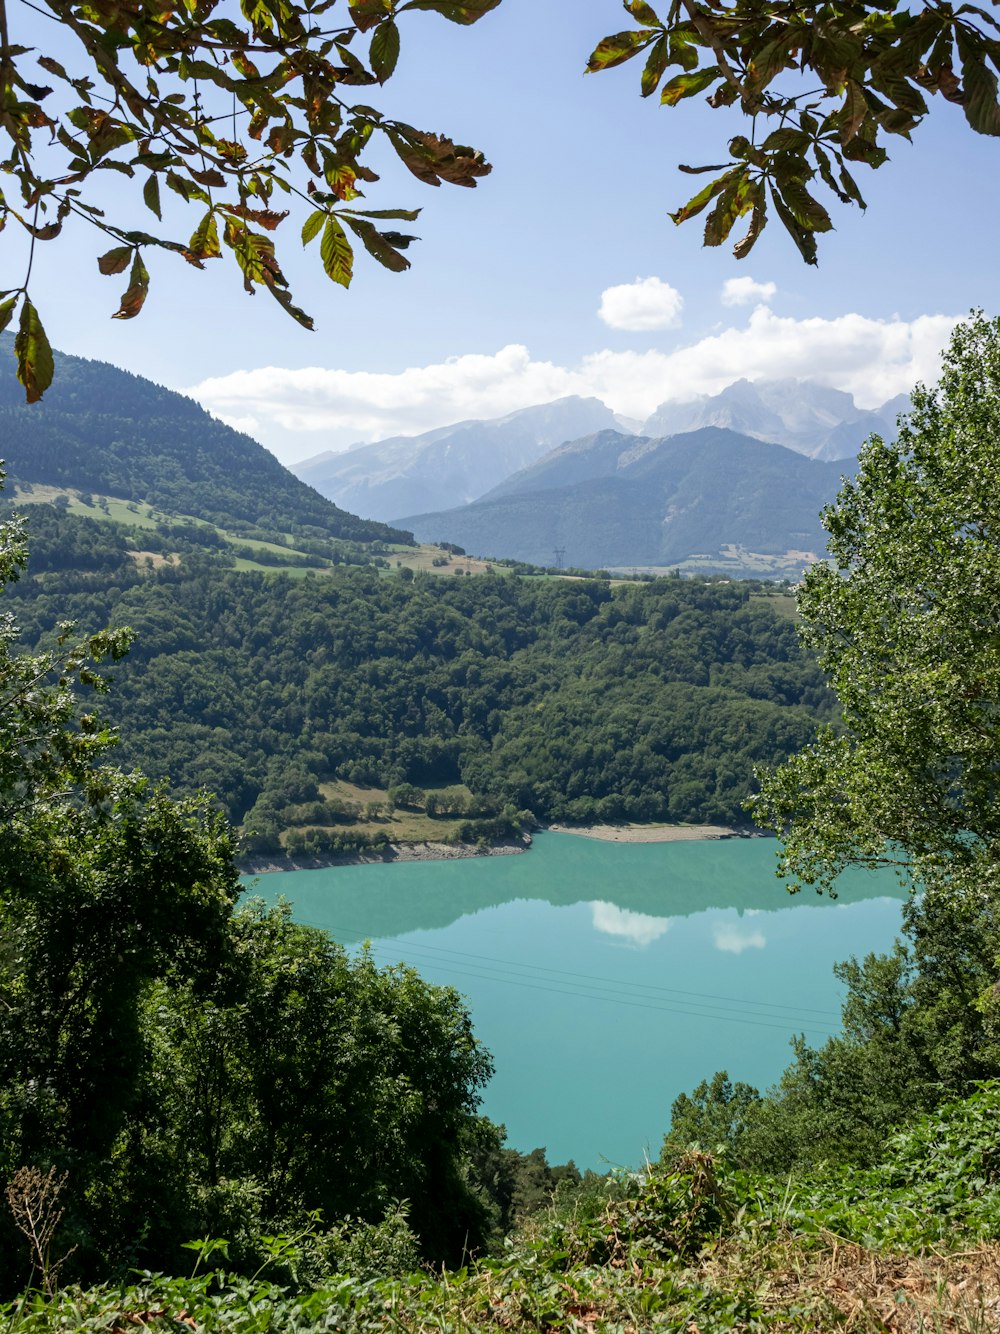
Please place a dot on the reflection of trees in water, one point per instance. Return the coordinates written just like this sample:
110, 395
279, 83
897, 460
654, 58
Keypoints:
654, 881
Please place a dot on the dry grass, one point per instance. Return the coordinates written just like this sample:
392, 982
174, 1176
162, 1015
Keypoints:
845, 1286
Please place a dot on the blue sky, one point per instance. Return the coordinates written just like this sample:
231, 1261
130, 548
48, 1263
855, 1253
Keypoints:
502, 307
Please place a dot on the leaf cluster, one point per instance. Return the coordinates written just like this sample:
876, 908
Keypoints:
822, 84
237, 113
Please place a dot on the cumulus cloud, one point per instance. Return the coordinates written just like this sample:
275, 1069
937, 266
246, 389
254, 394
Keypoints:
642, 306
743, 291
873, 359
637, 927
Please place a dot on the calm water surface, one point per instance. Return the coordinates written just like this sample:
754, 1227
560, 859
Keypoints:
606, 978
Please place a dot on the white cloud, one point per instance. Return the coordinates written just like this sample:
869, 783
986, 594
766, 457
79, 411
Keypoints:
742, 291
373, 404
646, 304
638, 927
729, 936
873, 359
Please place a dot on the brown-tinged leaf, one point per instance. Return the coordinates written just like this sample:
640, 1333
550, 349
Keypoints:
35, 367
687, 85
284, 299
700, 171
618, 48
336, 253
758, 221
656, 64
53, 67
267, 218
470, 12
187, 190
640, 10
704, 197
384, 50
210, 177
979, 84
809, 213
854, 111
116, 260
734, 201
381, 245
244, 65
389, 214
366, 13
433, 158
136, 293
204, 243
804, 239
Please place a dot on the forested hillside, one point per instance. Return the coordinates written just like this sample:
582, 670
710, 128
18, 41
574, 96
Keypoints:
570, 699
103, 430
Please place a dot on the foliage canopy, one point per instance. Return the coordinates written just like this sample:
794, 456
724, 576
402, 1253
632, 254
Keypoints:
236, 113
822, 85
905, 622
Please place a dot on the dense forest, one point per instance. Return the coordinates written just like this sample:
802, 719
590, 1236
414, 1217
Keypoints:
567, 699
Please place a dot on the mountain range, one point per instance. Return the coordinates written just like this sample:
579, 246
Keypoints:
563, 483
451, 465
712, 495
458, 465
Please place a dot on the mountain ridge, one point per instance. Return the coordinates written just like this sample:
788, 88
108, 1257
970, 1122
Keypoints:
102, 429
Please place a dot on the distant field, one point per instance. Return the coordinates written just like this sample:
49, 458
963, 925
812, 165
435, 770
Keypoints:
401, 826
422, 559
783, 603
737, 562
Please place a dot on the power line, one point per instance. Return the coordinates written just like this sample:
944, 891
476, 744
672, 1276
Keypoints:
587, 986
664, 1007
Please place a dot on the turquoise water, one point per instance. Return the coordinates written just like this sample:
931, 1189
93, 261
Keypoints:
606, 978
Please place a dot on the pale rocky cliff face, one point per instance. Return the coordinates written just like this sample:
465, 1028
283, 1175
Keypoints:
810, 418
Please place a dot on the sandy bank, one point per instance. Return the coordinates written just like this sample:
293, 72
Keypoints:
648, 833
392, 852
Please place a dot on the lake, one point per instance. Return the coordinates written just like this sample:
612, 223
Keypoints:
606, 978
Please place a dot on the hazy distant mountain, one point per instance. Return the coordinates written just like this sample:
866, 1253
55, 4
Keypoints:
100, 429
618, 500
448, 466
810, 418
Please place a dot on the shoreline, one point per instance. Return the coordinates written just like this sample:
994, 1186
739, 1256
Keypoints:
653, 833
392, 852
429, 851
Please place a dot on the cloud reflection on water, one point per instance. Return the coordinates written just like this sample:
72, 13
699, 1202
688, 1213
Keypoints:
734, 938
637, 927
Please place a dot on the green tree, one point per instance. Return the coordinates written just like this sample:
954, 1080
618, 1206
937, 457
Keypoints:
821, 84
714, 1115
105, 885
235, 112
904, 620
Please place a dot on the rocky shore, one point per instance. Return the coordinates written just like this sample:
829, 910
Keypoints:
392, 852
